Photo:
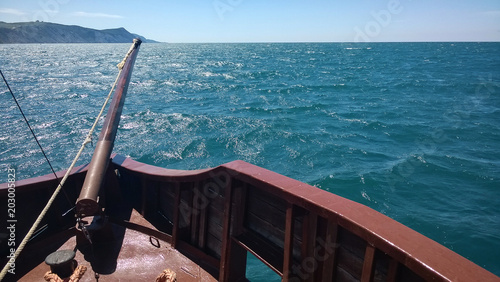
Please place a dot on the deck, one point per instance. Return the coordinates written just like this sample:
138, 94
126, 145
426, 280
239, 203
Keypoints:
133, 255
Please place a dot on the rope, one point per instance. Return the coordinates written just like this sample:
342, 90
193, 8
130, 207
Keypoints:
122, 63
167, 276
75, 277
58, 189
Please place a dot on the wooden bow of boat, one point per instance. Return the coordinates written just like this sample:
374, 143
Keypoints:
87, 203
201, 224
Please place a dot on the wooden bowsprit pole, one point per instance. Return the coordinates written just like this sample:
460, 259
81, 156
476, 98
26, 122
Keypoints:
87, 203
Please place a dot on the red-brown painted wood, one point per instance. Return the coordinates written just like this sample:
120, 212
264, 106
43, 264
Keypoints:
368, 264
288, 244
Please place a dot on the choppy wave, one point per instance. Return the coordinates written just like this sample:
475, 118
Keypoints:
410, 129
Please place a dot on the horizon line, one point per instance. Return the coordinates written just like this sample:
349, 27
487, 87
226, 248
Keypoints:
269, 42
263, 42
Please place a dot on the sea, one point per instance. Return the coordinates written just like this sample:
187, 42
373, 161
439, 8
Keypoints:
411, 130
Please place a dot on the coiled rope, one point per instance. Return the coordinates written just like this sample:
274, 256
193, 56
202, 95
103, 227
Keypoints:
87, 140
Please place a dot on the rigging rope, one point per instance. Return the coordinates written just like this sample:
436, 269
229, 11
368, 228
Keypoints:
68, 172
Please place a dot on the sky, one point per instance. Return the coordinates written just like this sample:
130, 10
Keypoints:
196, 21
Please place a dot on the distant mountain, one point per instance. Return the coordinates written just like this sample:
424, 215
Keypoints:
44, 32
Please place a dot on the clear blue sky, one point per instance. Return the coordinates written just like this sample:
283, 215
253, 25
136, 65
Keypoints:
273, 20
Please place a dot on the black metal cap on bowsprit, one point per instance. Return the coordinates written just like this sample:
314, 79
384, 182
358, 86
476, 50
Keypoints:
62, 263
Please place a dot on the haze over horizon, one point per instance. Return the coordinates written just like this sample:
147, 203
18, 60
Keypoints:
192, 21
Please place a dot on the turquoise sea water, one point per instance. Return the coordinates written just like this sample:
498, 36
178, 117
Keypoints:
409, 129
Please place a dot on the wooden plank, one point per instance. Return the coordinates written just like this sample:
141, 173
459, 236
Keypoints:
157, 198
225, 252
197, 255
203, 227
237, 262
239, 207
352, 243
392, 272
267, 207
215, 221
144, 188
344, 276
329, 248
309, 232
195, 215
297, 232
288, 245
265, 228
265, 215
167, 201
349, 262
367, 274
214, 232
381, 266
235, 254
186, 210
214, 245
175, 229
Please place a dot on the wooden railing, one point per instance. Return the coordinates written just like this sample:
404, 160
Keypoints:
301, 232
